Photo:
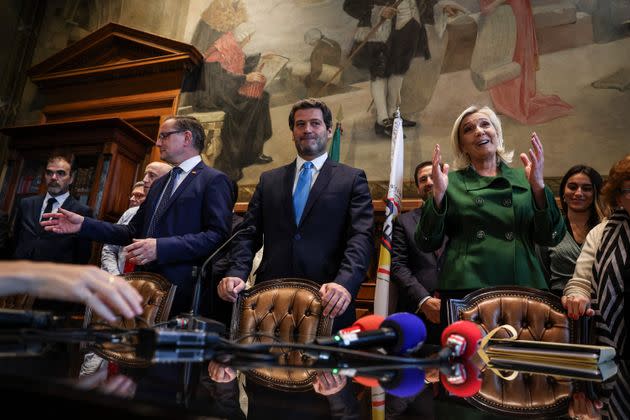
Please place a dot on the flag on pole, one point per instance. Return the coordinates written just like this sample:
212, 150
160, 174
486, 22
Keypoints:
335, 144
392, 208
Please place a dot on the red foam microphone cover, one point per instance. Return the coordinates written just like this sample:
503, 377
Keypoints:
366, 323
464, 381
365, 381
470, 331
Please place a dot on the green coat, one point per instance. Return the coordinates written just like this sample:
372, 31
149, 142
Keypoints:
492, 224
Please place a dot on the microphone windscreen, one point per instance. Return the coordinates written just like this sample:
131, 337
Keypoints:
405, 383
464, 383
369, 322
410, 332
470, 331
365, 381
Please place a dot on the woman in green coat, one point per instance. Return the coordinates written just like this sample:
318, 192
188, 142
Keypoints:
492, 214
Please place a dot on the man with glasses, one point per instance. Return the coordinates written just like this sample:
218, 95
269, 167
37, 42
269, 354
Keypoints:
113, 257
187, 214
32, 241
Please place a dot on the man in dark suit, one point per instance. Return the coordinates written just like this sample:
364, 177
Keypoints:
32, 242
416, 272
185, 216
315, 217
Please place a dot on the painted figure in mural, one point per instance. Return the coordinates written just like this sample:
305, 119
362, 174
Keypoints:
326, 51
389, 49
227, 82
518, 98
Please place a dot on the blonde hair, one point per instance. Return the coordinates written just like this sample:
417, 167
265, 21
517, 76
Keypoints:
224, 15
461, 160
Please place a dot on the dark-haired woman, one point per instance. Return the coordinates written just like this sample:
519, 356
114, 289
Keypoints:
579, 197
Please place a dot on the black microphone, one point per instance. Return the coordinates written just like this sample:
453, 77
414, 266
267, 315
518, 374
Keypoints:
191, 320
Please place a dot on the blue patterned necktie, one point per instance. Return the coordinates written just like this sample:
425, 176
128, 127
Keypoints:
166, 198
301, 190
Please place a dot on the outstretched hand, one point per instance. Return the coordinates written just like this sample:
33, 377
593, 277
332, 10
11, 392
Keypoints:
534, 163
62, 222
439, 175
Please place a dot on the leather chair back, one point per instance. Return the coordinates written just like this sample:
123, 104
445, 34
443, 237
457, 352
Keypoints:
537, 316
157, 298
21, 301
287, 310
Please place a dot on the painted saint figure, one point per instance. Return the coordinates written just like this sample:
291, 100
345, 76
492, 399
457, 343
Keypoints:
227, 82
389, 49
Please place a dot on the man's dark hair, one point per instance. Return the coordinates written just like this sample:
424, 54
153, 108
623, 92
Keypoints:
418, 167
192, 124
307, 104
63, 156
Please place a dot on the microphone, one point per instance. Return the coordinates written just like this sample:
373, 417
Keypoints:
399, 333
401, 383
191, 320
366, 323
463, 380
461, 339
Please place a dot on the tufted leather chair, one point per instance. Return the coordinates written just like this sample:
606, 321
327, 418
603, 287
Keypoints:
157, 297
22, 301
536, 315
287, 310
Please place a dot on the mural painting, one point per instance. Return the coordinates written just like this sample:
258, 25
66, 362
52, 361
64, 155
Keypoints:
557, 67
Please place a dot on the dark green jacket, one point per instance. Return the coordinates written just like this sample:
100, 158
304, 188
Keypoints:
493, 224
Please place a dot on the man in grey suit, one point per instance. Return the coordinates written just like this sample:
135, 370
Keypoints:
32, 242
315, 217
416, 272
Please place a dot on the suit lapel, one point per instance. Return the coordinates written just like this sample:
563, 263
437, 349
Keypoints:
287, 182
182, 187
324, 177
36, 209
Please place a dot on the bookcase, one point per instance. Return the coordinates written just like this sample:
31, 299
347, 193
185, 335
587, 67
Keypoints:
108, 154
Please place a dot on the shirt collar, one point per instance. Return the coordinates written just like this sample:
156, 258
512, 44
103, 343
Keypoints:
190, 163
60, 198
318, 162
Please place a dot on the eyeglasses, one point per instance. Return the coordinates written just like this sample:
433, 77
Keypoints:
165, 135
625, 192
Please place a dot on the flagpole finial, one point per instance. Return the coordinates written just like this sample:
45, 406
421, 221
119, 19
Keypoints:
397, 113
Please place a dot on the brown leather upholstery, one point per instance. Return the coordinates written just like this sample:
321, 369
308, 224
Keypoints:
536, 315
157, 297
287, 310
22, 301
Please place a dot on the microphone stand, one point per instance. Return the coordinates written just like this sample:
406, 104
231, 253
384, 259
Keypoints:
192, 320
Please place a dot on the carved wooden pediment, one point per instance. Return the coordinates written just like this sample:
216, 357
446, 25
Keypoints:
113, 51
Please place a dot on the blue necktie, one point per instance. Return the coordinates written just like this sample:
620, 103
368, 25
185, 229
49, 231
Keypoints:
164, 200
301, 190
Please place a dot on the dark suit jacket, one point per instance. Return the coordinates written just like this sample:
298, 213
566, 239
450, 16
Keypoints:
32, 242
196, 221
415, 272
333, 242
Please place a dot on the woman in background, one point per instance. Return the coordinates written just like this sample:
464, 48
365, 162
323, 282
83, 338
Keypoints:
579, 197
602, 271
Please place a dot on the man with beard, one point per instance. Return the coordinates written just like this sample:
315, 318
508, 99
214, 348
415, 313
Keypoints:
416, 272
315, 218
32, 241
